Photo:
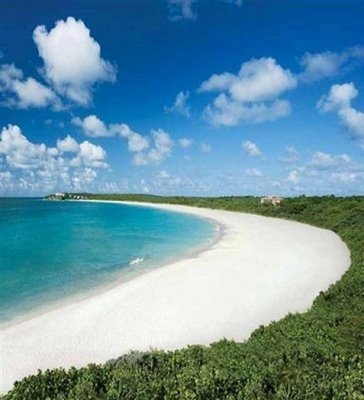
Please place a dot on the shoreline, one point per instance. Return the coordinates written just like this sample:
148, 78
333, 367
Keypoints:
259, 270
121, 279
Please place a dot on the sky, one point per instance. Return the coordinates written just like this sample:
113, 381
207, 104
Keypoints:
182, 97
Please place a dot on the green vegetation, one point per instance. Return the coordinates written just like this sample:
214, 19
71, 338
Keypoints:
317, 355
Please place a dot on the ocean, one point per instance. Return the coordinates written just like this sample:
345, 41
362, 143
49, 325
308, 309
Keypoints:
52, 251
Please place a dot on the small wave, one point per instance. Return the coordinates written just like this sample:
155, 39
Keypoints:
137, 261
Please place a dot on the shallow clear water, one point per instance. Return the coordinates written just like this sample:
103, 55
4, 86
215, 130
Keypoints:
50, 251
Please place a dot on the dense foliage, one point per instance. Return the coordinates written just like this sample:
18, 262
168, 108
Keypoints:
315, 355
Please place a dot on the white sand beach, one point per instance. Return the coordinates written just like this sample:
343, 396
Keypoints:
258, 271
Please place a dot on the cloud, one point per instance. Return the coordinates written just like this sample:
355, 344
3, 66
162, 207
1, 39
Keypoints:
35, 167
344, 157
251, 149
136, 142
249, 96
261, 79
205, 148
163, 174
253, 94
18, 151
92, 126
318, 66
72, 59
185, 142
20, 92
5, 175
254, 172
72, 67
218, 82
162, 148
339, 100
180, 105
226, 112
325, 173
323, 160
53, 151
67, 145
182, 9
147, 151
293, 177
83, 176
340, 96
92, 155
345, 177
258, 80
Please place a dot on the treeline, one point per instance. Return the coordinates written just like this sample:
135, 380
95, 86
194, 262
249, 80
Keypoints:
317, 355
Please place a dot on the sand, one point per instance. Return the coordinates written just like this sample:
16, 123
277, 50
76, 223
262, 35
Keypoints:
258, 271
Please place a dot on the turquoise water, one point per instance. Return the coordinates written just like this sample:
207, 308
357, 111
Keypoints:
50, 251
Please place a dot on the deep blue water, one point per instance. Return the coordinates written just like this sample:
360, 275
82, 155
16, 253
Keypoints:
51, 250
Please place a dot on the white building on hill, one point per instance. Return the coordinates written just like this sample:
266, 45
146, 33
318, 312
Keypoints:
275, 200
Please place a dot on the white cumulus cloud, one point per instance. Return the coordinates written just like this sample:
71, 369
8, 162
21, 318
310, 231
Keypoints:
251, 95
72, 59
92, 126
147, 150
162, 148
317, 66
67, 145
5, 175
258, 80
226, 112
185, 142
339, 100
344, 176
23, 92
92, 155
251, 149
180, 105
34, 167
136, 141
19, 152
340, 96
323, 160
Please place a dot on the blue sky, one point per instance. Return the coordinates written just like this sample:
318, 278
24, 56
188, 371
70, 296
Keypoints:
182, 97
